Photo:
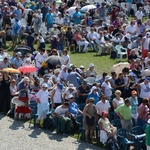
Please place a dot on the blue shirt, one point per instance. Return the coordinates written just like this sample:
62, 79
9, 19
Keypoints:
76, 17
18, 62
49, 18
95, 96
134, 105
73, 108
33, 7
18, 12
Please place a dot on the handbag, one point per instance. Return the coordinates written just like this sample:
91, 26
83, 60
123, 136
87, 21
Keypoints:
90, 121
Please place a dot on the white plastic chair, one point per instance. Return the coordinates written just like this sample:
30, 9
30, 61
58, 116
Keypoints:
134, 7
147, 9
119, 52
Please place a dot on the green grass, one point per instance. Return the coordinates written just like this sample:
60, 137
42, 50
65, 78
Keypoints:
102, 63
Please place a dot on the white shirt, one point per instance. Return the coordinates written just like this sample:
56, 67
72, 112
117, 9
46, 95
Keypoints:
118, 102
92, 35
57, 96
59, 20
130, 29
108, 88
63, 75
43, 96
100, 107
40, 39
144, 91
146, 43
61, 111
67, 92
139, 15
67, 57
39, 59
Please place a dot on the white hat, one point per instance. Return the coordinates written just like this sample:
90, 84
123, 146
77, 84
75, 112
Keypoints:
26, 79
70, 96
81, 67
18, 54
91, 65
128, 36
63, 67
44, 85
93, 88
28, 59
148, 33
148, 121
107, 78
55, 25
56, 71
71, 86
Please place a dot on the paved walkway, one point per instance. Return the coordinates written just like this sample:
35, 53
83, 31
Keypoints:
16, 135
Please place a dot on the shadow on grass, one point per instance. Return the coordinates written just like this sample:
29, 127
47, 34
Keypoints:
56, 137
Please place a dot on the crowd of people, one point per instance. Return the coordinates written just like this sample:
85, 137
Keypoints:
65, 87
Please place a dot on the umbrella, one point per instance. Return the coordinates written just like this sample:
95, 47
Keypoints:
11, 70
27, 69
146, 73
118, 67
87, 8
71, 10
23, 50
55, 60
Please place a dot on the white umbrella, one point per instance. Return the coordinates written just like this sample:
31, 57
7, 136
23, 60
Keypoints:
87, 8
146, 73
118, 67
71, 10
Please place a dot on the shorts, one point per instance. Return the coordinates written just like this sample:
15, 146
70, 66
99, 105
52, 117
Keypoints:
14, 38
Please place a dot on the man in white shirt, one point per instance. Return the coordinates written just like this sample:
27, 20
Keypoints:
131, 29
59, 20
40, 57
139, 14
103, 105
61, 113
92, 37
147, 59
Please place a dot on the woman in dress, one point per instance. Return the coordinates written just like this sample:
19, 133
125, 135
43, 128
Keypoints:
89, 113
43, 104
5, 95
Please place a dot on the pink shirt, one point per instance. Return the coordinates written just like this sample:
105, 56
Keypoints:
77, 37
142, 111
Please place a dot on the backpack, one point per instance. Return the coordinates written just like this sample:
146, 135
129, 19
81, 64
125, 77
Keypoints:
48, 123
113, 55
16, 29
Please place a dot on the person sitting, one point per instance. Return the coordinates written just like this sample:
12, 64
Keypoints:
61, 112
132, 56
73, 110
81, 41
107, 130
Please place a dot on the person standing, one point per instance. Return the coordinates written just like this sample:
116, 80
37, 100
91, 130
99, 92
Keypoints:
124, 112
89, 113
142, 112
148, 135
134, 105
43, 104
145, 45
49, 20
5, 94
